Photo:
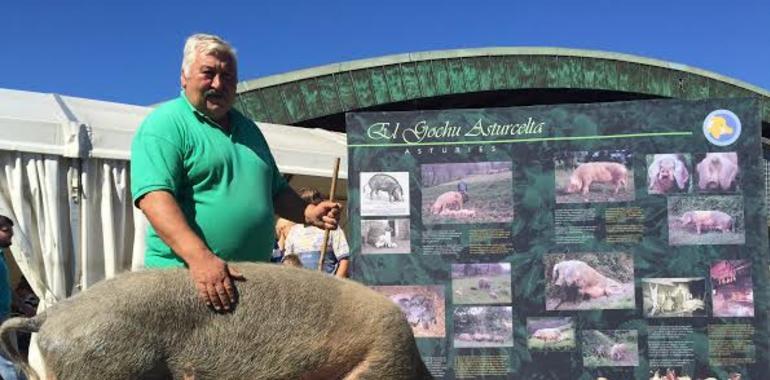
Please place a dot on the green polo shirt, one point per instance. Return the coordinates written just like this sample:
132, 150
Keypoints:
224, 183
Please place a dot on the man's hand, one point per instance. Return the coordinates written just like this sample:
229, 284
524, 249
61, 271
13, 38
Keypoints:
325, 215
214, 280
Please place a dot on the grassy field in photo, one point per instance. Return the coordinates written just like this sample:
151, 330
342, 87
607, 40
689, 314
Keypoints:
467, 291
490, 196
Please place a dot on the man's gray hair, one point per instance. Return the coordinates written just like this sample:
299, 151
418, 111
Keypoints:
206, 44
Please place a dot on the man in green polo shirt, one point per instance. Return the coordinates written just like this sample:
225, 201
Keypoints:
204, 176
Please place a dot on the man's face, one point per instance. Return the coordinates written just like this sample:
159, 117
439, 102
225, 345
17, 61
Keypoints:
211, 84
6, 233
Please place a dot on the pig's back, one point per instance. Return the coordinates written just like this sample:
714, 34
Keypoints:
273, 300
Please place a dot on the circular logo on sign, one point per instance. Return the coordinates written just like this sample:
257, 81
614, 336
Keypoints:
722, 127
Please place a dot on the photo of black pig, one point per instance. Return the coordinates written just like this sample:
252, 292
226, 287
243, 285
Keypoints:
384, 193
388, 184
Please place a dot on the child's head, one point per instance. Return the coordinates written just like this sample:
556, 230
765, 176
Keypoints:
310, 195
292, 261
6, 231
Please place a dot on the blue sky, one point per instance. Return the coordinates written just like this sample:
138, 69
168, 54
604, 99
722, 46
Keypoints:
131, 52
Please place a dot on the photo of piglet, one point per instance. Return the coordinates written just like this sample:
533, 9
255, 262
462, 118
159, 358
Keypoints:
385, 236
717, 172
706, 220
594, 176
487, 283
423, 307
732, 291
384, 193
589, 281
668, 173
551, 334
483, 326
612, 348
472, 192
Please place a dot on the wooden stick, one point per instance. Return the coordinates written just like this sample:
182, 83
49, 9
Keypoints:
336, 169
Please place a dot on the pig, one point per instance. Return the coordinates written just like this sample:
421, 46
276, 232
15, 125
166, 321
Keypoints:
450, 200
418, 310
588, 281
383, 182
717, 171
666, 171
380, 236
152, 325
484, 283
465, 337
603, 172
708, 221
619, 352
548, 334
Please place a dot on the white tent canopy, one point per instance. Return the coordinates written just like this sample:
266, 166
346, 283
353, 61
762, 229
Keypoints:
76, 127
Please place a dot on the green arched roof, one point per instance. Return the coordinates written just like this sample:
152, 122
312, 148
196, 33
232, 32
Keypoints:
414, 80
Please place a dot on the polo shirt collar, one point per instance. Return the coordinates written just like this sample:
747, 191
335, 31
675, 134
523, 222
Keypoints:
206, 118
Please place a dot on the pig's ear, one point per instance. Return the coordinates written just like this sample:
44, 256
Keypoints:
652, 172
680, 174
728, 174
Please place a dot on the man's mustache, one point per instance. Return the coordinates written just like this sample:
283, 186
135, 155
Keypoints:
211, 93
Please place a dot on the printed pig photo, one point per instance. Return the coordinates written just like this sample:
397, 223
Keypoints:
668, 173
587, 281
594, 176
717, 172
472, 193
481, 283
483, 326
551, 334
706, 220
384, 193
423, 307
385, 236
613, 348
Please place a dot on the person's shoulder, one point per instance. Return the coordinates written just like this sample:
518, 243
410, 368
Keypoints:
247, 123
241, 118
169, 116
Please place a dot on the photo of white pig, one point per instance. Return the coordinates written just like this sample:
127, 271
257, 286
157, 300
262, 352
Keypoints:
574, 284
580, 179
588, 173
706, 220
467, 192
151, 325
667, 173
717, 172
450, 200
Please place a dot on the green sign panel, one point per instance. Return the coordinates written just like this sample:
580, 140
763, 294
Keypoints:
619, 240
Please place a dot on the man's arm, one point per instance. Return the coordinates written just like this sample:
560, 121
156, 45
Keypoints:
210, 274
289, 205
342, 270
